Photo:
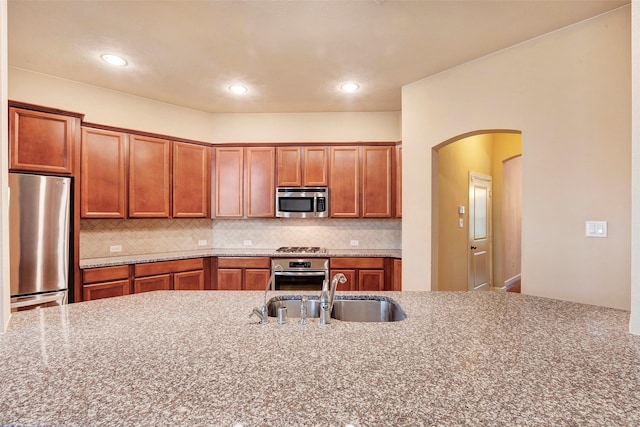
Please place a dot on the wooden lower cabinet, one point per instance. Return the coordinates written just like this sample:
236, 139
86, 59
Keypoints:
153, 283
256, 279
105, 282
179, 275
397, 275
189, 281
352, 282
242, 273
363, 274
371, 280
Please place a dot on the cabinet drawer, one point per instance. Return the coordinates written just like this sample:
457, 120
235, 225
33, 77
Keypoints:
247, 262
105, 290
105, 274
357, 262
164, 267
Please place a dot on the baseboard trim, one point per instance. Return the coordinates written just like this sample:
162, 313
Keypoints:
511, 281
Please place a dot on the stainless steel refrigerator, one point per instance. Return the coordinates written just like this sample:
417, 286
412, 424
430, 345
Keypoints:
39, 222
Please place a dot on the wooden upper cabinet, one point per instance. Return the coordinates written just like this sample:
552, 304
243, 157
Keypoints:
344, 195
42, 142
399, 181
377, 168
289, 169
191, 180
229, 172
315, 167
260, 193
103, 174
149, 177
302, 166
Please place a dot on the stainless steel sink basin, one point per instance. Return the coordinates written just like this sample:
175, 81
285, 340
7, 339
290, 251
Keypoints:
293, 303
363, 308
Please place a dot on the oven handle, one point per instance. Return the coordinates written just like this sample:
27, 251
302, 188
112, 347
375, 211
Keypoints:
301, 273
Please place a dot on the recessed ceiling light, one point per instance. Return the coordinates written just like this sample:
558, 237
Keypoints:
349, 87
238, 89
114, 60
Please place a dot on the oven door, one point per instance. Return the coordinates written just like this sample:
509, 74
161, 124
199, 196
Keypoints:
299, 280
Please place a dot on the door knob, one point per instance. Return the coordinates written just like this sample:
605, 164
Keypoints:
474, 247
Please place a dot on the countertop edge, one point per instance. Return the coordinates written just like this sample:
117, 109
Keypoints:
169, 256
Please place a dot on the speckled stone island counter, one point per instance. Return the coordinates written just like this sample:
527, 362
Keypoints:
195, 359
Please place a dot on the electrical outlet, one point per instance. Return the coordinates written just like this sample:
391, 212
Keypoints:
202, 243
354, 243
115, 248
247, 243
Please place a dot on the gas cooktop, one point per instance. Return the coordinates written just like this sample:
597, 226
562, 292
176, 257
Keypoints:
301, 250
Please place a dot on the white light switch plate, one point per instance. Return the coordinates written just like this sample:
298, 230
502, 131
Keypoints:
596, 229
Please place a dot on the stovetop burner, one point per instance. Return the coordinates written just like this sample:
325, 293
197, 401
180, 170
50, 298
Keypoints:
300, 250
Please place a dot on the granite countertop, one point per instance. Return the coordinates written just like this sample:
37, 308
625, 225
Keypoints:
267, 252
194, 358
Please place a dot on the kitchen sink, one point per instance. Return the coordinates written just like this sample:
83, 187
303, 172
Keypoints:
365, 308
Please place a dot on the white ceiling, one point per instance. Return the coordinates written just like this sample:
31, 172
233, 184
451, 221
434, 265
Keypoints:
291, 54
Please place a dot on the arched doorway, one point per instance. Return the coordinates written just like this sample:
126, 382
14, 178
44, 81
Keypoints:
490, 153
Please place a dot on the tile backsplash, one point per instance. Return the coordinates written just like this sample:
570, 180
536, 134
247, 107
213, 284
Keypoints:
145, 236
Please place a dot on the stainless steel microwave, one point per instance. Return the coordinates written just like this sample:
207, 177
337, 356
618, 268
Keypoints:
302, 202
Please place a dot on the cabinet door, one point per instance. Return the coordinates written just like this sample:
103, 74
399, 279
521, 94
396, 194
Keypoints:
103, 174
229, 279
260, 195
256, 280
149, 176
189, 281
289, 167
345, 182
42, 142
161, 282
377, 187
191, 180
399, 181
315, 167
229, 172
371, 280
351, 284
397, 275
105, 290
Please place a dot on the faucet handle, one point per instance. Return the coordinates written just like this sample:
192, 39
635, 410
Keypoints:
261, 313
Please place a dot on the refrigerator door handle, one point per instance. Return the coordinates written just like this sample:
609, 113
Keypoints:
29, 300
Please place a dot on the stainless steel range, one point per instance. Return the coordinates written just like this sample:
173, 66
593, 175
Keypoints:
300, 273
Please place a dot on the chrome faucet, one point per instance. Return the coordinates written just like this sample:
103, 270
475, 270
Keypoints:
327, 297
263, 312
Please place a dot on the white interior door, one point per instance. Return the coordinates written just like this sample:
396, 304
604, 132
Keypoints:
479, 273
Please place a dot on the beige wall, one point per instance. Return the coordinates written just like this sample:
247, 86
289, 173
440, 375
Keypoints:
505, 146
569, 94
635, 236
509, 263
131, 112
5, 311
